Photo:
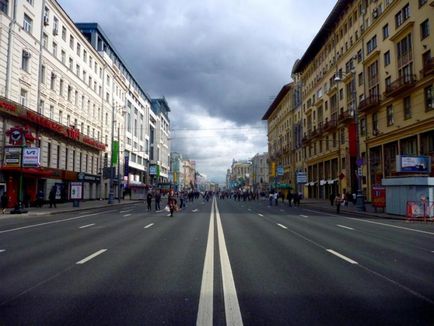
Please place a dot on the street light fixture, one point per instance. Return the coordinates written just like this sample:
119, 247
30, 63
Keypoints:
360, 199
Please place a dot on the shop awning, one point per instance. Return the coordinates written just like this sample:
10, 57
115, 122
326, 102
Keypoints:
322, 182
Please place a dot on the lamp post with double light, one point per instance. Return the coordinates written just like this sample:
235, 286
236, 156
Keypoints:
360, 199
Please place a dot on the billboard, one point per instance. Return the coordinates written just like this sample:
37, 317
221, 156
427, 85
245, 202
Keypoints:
413, 164
31, 156
12, 156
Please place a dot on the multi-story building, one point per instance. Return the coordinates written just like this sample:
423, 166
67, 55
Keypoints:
161, 144
280, 118
84, 115
189, 167
260, 175
47, 96
177, 169
367, 83
241, 175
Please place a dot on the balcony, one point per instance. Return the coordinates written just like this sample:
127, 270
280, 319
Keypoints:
345, 117
369, 103
329, 125
428, 68
402, 84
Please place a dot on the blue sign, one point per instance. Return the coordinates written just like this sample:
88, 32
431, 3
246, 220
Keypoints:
127, 165
280, 170
413, 164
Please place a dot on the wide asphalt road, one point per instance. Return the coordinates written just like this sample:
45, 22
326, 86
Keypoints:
221, 262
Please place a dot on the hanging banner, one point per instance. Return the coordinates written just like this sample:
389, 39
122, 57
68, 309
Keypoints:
126, 165
31, 156
115, 152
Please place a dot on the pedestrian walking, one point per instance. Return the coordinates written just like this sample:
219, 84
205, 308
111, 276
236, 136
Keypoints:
290, 197
332, 198
52, 196
338, 202
171, 202
276, 198
149, 201
157, 201
4, 202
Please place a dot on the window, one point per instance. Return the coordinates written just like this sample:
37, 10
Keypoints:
389, 117
422, 2
64, 33
71, 42
363, 127
63, 56
402, 15
78, 49
387, 58
41, 107
25, 60
69, 93
61, 87
55, 49
4, 6
388, 82
55, 26
429, 100
71, 64
372, 44
360, 77
51, 112
52, 81
27, 24
45, 40
424, 29
375, 122
48, 154
66, 158
385, 31
43, 74
60, 116
407, 107
77, 70
23, 97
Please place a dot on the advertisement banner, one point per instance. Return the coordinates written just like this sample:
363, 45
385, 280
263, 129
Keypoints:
280, 170
12, 156
126, 165
31, 156
76, 190
115, 152
301, 177
152, 170
413, 164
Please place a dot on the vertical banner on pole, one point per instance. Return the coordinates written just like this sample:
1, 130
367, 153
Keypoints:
115, 152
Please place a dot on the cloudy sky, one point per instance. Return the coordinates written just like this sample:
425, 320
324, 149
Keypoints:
219, 63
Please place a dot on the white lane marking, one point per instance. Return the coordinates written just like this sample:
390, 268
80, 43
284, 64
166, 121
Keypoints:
282, 226
205, 312
305, 216
126, 215
372, 222
344, 227
126, 211
47, 223
261, 215
195, 210
232, 307
342, 257
99, 252
86, 226
2, 250
149, 225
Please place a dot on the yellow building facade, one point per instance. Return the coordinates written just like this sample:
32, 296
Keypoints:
366, 87
280, 120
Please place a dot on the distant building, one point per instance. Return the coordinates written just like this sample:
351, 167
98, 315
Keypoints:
260, 177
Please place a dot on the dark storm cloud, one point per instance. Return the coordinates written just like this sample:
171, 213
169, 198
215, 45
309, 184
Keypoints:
223, 61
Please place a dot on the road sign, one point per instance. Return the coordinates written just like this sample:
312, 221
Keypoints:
280, 170
360, 172
359, 162
301, 177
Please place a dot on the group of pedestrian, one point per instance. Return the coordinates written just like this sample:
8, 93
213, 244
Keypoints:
293, 198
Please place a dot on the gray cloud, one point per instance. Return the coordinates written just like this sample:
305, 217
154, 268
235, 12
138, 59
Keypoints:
221, 60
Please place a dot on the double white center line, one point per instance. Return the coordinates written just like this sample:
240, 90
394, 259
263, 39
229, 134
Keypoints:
232, 308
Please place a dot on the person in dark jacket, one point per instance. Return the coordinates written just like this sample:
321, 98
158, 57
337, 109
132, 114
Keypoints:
52, 196
149, 201
171, 202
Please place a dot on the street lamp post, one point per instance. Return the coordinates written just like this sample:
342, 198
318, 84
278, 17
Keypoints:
360, 199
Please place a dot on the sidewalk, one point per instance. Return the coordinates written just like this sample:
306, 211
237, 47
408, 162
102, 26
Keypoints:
324, 205
68, 207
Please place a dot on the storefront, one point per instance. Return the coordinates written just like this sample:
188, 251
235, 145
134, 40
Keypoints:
39, 153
